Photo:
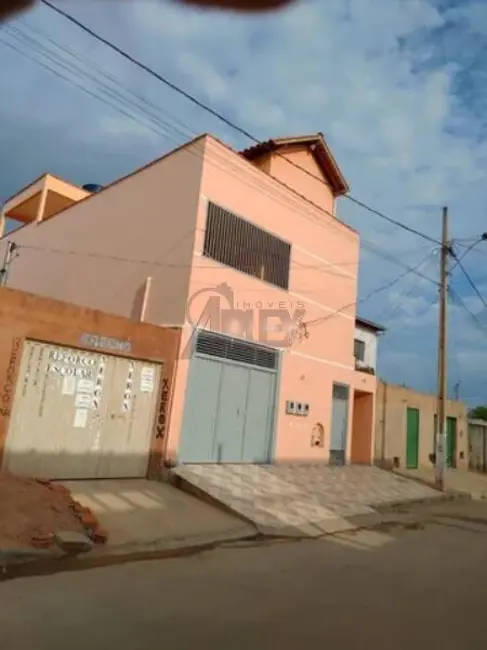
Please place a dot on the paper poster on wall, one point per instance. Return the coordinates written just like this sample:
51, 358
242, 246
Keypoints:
69, 385
86, 386
147, 379
80, 418
83, 400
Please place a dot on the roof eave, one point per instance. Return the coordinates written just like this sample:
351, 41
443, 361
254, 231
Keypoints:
321, 150
370, 325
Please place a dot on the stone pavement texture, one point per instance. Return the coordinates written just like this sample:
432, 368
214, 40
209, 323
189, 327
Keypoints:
302, 500
141, 515
463, 481
405, 589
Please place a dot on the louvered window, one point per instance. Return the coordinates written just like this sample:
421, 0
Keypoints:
224, 347
239, 244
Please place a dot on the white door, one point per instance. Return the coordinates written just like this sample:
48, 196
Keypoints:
339, 424
81, 414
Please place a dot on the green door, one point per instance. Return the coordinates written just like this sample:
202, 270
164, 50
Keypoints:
451, 441
412, 438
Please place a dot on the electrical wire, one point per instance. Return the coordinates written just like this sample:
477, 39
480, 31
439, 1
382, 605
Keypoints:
456, 298
312, 217
459, 263
469, 248
365, 243
385, 320
87, 68
372, 293
291, 198
194, 100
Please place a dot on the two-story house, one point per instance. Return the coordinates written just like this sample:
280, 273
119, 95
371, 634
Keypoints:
245, 252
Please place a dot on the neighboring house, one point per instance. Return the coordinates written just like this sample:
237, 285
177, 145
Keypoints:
477, 440
406, 421
365, 344
245, 246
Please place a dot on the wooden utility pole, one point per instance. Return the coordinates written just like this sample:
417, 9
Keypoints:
440, 450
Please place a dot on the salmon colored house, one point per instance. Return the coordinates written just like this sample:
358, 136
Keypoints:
246, 253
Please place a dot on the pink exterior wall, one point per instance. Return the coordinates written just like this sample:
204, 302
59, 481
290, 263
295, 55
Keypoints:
99, 252
325, 257
302, 174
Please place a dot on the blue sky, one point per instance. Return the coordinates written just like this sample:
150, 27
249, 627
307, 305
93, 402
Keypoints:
399, 89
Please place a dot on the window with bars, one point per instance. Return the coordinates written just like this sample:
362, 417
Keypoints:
239, 244
359, 350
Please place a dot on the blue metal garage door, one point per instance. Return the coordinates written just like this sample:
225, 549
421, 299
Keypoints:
230, 402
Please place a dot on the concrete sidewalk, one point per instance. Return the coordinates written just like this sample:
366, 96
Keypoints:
143, 516
460, 481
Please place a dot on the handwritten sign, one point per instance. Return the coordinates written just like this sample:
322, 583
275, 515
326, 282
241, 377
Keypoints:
162, 412
9, 385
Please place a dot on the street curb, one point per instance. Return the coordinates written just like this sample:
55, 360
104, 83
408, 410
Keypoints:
107, 558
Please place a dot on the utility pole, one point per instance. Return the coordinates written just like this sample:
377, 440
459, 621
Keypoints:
11, 246
442, 395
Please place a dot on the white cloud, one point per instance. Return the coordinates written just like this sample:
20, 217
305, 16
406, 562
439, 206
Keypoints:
387, 81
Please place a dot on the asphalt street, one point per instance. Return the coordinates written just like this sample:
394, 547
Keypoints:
418, 586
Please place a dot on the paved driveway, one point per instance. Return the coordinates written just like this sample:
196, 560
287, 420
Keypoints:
142, 515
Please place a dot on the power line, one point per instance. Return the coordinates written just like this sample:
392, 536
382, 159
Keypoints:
194, 100
406, 294
330, 224
323, 266
372, 293
391, 220
365, 243
394, 260
52, 56
459, 263
85, 61
469, 248
459, 302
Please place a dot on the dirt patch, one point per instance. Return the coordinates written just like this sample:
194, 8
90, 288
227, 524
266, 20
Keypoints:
31, 511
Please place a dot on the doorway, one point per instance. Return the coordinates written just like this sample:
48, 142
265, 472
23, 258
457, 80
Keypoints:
412, 438
451, 442
339, 424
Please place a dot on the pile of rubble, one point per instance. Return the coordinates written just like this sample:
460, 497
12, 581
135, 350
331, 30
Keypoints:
33, 511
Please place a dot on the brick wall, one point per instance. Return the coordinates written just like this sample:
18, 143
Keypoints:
26, 316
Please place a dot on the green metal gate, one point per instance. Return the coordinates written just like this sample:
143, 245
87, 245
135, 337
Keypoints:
451, 442
412, 438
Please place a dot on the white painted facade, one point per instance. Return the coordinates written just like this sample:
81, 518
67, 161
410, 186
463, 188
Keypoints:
369, 337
